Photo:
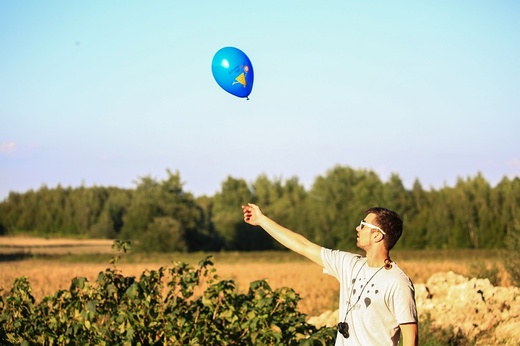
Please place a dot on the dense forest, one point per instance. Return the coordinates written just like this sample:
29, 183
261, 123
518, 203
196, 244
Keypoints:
162, 216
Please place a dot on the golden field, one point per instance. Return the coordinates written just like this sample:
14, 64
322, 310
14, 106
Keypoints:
51, 264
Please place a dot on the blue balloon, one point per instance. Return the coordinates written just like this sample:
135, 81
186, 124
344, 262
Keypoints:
233, 71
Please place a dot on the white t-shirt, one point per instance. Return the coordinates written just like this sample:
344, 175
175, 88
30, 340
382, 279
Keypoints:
381, 299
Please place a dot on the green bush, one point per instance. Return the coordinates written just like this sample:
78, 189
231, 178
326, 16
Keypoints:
121, 310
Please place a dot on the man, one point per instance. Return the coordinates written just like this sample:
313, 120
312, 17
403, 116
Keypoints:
377, 299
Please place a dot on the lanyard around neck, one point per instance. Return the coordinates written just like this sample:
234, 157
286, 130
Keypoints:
351, 306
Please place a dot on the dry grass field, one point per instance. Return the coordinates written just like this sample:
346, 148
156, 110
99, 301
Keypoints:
53, 263
49, 246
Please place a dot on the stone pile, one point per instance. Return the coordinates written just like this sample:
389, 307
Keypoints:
473, 307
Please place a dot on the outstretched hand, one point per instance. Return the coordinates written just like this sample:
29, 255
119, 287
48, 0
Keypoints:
252, 214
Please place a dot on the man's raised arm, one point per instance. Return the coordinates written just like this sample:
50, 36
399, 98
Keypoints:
290, 239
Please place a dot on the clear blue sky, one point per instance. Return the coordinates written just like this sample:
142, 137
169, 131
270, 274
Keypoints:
104, 92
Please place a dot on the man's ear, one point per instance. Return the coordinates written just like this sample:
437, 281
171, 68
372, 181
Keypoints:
378, 236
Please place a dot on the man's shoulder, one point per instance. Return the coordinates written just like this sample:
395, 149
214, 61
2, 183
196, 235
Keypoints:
335, 261
398, 276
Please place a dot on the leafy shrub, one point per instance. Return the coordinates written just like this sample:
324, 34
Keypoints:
121, 310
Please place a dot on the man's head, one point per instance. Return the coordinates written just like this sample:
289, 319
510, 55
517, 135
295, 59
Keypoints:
389, 222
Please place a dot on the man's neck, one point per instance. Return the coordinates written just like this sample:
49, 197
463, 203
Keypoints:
377, 259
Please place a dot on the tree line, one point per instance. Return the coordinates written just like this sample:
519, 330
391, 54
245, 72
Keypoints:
162, 216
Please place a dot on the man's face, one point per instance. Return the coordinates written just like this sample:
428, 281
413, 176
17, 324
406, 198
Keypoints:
364, 233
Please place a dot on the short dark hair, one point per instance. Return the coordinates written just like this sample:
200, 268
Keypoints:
390, 222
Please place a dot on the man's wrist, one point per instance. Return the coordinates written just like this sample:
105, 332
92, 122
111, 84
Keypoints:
263, 221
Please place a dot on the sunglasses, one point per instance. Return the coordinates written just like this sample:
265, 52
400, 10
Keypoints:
369, 225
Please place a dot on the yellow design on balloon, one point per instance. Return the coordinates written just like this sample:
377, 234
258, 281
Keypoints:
241, 79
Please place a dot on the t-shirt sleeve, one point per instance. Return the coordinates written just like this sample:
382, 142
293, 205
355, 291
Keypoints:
404, 305
335, 260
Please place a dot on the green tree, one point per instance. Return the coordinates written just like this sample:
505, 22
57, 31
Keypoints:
207, 237
396, 197
10, 212
471, 209
508, 196
440, 220
163, 234
24, 219
417, 219
291, 208
338, 200
227, 215
153, 199
472, 214
110, 221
